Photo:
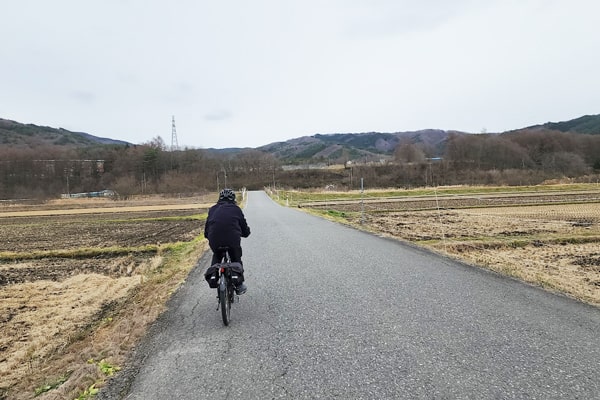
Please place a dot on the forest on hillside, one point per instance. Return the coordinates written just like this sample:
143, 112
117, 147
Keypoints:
525, 157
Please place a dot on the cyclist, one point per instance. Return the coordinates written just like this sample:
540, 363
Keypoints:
225, 226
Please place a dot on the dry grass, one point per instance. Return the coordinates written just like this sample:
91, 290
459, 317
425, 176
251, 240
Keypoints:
44, 317
87, 317
85, 301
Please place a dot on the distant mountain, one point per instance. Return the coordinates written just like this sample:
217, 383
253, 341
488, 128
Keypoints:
33, 136
352, 146
377, 145
318, 148
588, 124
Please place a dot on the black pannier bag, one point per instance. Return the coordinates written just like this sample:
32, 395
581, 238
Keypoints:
212, 274
237, 273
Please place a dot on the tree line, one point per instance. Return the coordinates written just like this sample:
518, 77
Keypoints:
519, 158
149, 168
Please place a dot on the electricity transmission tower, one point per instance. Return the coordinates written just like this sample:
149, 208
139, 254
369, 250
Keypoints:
174, 144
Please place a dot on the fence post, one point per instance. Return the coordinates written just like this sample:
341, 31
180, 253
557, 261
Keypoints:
362, 202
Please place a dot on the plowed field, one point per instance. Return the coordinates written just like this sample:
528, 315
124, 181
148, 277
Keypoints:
62, 268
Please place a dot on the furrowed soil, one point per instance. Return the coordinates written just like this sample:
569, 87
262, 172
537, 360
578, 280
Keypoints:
74, 277
547, 239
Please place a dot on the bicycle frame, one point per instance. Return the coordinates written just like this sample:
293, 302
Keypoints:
225, 290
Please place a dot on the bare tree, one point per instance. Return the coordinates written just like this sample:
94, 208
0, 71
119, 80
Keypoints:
408, 152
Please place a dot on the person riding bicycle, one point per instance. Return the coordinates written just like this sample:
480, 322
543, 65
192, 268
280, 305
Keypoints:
225, 226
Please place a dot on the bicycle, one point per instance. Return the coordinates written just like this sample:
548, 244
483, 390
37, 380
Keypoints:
229, 275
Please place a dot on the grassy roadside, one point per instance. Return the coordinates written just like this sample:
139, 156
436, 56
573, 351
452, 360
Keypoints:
293, 198
79, 367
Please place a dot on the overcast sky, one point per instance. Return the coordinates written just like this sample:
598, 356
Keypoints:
243, 73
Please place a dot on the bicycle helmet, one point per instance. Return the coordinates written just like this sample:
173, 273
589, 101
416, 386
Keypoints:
227, 195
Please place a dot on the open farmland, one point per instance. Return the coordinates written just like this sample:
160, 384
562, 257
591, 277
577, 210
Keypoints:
79, 282
548, 236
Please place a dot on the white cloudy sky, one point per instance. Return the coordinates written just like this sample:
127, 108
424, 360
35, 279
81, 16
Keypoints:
248, 73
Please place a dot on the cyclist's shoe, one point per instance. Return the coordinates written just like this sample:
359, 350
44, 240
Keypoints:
241, 288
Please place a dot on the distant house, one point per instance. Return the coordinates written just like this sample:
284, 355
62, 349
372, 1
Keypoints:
102, 193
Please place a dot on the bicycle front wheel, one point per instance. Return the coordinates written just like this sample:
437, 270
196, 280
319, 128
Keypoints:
225, 305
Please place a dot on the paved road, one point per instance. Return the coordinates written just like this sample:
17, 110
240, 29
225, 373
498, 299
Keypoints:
332, 312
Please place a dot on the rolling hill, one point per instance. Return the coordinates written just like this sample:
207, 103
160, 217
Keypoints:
351, 146
20, 135
375, 145
588, 124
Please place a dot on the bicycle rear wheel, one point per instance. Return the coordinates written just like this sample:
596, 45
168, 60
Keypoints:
224, 300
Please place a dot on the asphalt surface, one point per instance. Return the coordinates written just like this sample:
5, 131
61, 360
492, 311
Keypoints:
332, 312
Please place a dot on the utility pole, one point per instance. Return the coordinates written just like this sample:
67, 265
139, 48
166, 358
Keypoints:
362, 202
67, 172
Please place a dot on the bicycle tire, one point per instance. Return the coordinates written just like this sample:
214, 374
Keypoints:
224, 300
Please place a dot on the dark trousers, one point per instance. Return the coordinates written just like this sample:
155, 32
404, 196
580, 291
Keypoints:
235, 253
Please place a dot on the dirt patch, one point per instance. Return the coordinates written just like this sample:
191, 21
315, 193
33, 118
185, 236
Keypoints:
588, 261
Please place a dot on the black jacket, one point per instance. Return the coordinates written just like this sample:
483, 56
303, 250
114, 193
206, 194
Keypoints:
225, 225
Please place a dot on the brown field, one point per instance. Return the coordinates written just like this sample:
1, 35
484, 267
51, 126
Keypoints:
80, 281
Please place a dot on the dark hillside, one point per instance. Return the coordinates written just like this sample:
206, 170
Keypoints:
15, 134
336, 147
588, 124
